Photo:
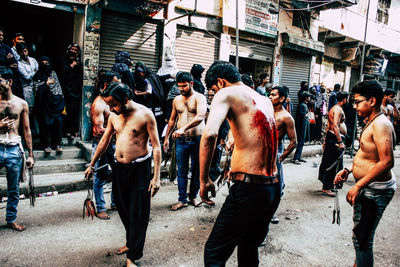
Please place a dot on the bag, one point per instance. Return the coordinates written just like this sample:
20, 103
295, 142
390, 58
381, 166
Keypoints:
105, 174
311, 117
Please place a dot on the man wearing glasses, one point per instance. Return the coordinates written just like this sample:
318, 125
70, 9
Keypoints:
375, 182
190, 109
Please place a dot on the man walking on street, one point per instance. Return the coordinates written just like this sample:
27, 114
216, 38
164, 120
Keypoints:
134, 125
190, 109
255, 195
375, 181
285, 123
13, 111
332, 159
99, 113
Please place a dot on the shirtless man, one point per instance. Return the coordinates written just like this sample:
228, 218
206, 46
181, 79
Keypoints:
255, 195
99, 114
133, 124
190, 109
285, 123
375, 182
334, 145
13, 111
389, 107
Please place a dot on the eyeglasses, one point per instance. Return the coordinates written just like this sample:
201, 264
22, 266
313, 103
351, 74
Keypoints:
3, 81
357, 102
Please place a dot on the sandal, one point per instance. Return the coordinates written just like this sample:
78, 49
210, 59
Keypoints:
47, 150
59, 149
102, 215
328, 193
16, 226
178, 206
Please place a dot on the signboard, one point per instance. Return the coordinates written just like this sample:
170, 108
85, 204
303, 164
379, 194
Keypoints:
84, 2
256, 16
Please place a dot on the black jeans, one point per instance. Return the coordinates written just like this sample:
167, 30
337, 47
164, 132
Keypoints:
50, 131
243, 222
73, 107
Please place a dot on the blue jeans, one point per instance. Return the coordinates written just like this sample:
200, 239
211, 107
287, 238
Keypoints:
301, 139
380, 199
98, 185
280, 169
11, 159
184, 150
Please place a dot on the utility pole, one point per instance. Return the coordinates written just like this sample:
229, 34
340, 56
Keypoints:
237, 34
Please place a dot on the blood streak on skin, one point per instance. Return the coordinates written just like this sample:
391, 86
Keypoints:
269, 134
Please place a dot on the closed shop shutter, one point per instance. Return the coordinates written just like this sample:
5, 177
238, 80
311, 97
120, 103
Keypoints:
295, 69
253, 50
142, 39
195, 46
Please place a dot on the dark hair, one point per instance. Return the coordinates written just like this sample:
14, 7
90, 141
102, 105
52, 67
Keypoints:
303, 96
20, 47
6, 73
368, 89
18, 34
341, 95
184, 76
263, 76
2, 29
389, 91
109, 76
336, 87
282, 91
223, 70
246, 79
117, 90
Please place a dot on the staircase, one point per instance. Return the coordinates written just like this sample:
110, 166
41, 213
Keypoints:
61, 172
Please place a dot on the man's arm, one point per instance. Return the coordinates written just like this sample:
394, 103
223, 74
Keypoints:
291, 132
382, 136
101, 147
218, 112
151, 126
337, 114
98, 119
171, 125
201, 109
27, 133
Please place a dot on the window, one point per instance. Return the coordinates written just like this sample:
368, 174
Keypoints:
301, 19
383, 11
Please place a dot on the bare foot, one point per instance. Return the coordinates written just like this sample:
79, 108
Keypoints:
178, 206
328, 193
130, 263
122, 250
102, 215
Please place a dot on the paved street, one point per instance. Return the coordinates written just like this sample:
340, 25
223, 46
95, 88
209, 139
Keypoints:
57, 235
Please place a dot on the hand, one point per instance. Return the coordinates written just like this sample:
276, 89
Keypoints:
89, 173
7, 124
73, 63
230, 144
178, 133
341, 177
30, 162
154, 186
288, 100
204, 189
352, 195
166, 145
10, 55
50, 81
341, 146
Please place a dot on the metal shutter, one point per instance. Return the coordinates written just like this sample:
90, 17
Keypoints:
194, 46
255, 50
140, 38
295, 69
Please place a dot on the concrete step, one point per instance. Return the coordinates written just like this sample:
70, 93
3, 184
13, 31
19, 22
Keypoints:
60, 182
54, 166
69, 152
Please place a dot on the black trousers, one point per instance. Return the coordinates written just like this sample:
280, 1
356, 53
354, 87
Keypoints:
331, 154
50, 131
243, 222
73, 107
131, 195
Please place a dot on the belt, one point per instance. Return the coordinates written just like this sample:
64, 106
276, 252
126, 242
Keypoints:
254, 179
188, 138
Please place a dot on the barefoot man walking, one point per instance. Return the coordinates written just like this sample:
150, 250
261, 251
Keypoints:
375, 182
133, 124
254, 197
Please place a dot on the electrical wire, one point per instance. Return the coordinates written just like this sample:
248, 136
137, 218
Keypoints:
309, 8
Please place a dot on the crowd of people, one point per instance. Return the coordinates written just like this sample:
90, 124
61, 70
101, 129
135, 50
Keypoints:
139, 116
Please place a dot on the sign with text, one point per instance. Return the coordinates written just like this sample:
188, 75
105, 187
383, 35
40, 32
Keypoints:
256, 16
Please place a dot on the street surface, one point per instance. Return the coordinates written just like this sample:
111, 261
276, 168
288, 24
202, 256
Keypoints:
305, 236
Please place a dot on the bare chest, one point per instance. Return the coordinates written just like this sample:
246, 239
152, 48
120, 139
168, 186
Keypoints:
130, 127
10, 110
186, 106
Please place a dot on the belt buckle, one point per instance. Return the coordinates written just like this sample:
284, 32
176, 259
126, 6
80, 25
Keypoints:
188, 139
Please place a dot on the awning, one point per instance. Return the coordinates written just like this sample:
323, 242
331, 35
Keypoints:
66, 5
302, 44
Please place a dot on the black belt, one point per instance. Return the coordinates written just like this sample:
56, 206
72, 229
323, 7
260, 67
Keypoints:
188, 138
254, 179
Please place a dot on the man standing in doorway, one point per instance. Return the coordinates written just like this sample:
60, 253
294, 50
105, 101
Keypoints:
243, 223
375, 181
190, 109
134, 126
13, 111
332, 159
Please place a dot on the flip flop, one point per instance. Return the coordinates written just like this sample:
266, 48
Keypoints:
102, 215
178, 206
331, 194
16, 226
